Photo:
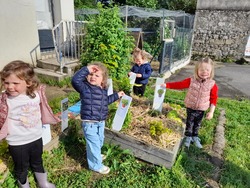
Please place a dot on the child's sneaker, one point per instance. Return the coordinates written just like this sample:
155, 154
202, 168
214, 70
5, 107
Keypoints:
188, 140
104, 170
197, 142
103, 157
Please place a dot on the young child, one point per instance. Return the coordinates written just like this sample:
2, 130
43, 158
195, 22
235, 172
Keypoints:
142, 69
24, 109
202, 94
91, 82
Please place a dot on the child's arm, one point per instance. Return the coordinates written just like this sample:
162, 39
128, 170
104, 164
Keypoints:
120, 94
4, 131
92, 68
79, 77
177, 85
210, 114
213, 102
115, 96
147, 73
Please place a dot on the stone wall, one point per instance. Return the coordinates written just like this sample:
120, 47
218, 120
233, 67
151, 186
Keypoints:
221, 29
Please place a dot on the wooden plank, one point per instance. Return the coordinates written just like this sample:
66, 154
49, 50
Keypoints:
142, 150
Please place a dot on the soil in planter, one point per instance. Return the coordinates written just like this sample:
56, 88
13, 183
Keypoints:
143, 116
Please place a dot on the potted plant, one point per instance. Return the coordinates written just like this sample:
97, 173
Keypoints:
160, 92
124, 102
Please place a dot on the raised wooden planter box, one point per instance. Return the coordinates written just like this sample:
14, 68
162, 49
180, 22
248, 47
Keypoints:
142, 150
54, 143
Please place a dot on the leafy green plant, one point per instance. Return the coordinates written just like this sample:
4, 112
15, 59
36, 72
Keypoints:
154, 113
157, 128
122, 84
73, 98
107, 41
174, 116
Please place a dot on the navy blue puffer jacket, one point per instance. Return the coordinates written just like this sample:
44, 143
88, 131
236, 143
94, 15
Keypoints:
145, 70
94, 99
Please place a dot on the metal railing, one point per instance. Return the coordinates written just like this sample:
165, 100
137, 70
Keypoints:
67, 37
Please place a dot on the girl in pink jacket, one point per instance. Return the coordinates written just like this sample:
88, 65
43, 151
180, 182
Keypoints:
24, 109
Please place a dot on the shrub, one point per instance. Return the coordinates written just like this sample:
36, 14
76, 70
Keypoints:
107, 41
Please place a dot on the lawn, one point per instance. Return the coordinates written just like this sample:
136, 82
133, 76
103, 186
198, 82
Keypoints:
67, 166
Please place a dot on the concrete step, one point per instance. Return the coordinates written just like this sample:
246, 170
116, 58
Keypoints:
70, 65
54, 75
48, 54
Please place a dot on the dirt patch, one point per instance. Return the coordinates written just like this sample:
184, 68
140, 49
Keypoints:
217, 150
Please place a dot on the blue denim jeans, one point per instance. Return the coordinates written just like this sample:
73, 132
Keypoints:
94, 136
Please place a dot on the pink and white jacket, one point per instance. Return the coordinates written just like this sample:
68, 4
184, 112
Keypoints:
46, 112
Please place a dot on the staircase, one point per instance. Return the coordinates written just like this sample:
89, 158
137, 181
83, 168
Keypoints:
49, 67
63, 60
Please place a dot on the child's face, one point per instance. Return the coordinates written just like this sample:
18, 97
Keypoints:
138, 60
14, 86
95, 78
204, 71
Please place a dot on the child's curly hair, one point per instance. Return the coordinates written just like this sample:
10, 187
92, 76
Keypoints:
145, 55
23, 71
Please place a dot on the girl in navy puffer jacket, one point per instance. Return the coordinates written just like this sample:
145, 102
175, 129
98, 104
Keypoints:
91, 82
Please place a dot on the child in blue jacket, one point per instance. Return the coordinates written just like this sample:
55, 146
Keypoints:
91, 82
142, 69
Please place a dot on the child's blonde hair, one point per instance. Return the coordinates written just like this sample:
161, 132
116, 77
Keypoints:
204, 60
105, 73
24, 72
145, 55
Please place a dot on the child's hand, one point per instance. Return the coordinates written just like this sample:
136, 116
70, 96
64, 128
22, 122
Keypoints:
138, 75
93, 68
129, 74
209, 115
121, 93
163, 85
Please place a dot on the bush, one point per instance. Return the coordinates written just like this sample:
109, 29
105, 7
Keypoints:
107, 41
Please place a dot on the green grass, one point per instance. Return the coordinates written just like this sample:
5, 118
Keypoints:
67, 166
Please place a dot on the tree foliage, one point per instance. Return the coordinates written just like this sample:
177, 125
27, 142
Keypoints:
189, 6
79, 4
143, 3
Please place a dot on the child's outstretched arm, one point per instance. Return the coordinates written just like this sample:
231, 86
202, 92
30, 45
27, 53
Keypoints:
177, 85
